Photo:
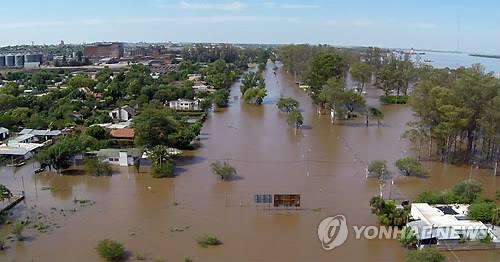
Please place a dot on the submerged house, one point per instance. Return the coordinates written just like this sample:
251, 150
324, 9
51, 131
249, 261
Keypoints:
446, 225
118, 157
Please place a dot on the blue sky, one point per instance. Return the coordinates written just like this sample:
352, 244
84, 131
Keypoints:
472, 25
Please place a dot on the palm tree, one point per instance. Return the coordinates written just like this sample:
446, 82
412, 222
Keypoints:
375, 114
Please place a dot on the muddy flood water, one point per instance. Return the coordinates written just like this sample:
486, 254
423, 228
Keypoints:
162, 218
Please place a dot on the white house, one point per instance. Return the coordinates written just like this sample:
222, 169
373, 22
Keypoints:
123, 113
194, 77
4, 133
118, 157
445, 224
184, 104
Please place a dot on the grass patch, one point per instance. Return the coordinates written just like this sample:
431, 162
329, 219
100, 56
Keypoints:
208, 240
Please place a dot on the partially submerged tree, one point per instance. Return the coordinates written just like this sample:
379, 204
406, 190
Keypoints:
223, 169
361, 73
96, 167
162, 164
287, 104
410, 167
295, 119
407, 237
377, 168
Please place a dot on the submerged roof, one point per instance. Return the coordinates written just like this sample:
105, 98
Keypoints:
113, 152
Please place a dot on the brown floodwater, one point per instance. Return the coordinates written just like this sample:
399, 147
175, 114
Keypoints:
324, 163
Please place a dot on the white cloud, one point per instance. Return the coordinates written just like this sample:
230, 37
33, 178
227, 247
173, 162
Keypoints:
232, 6
298, 6
349, 23
287, 6
424, 25
29, 24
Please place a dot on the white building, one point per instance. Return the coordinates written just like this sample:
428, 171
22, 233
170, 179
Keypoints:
184, 104
123, 113
446, 224
4, 133
194, 77
118, 157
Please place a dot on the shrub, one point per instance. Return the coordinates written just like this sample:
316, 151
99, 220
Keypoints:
17, 230
166, 169
485, 239
209, 240
466, 191
425, 255
223, 169
110, 250
481, 211
96, 167
394, 99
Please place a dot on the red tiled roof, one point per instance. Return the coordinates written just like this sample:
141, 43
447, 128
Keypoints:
126, 133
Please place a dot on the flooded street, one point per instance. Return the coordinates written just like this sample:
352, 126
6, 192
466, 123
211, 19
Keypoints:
324, 163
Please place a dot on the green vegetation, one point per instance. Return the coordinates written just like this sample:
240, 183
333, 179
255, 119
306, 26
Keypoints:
388, 99
162, 165
387, 212
253, 88
97, 132
464, 192
17, 230
223, 169
410, 167
376, 114
60, 155
362, 74
110, 250
208, 240
407, 237
337, 99
97, 167
159, 126
5, 193
482, 211
425, 255
378, 168
295, 119
287, 104
457, 113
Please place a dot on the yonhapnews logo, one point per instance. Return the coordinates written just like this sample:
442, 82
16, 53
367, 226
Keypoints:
333, 232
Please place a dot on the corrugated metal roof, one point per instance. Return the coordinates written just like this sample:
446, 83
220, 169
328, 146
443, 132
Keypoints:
23, 137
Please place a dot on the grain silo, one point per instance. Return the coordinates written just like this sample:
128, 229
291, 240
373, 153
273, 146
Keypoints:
10, 60
19, 60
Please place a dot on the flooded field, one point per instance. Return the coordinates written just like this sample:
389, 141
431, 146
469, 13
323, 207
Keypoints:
161, 218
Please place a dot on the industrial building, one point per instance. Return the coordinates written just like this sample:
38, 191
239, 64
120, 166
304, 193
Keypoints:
103, 50
21, 60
